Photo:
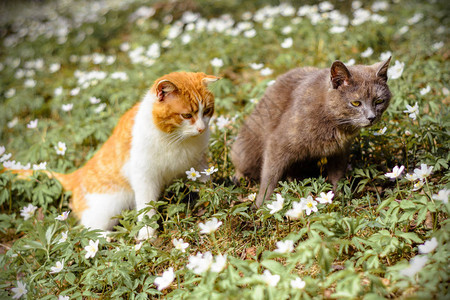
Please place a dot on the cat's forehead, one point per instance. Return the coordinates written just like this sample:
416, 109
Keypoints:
191, 87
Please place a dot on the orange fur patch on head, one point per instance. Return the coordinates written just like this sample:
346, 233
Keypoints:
181, 94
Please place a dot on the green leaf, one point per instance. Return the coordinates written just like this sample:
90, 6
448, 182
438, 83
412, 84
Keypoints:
273, 266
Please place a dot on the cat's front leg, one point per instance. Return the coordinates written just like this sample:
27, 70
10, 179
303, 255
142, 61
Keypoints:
274, 165
337, 165
145, 193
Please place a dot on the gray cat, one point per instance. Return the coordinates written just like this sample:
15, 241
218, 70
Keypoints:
309, 114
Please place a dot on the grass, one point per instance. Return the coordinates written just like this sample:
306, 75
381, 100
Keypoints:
364, 245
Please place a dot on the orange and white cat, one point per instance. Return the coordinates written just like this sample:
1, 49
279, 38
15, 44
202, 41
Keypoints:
153, 143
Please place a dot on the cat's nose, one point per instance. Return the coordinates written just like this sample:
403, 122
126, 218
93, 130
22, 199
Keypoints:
371, 119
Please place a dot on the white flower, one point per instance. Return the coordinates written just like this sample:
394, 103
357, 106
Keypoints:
266, 72
28, 211
425, 90
368, 52
250, 33
423, 172
381, 131
210, 170
165, 280
269, 279
220, 261
5, 157
60, 297
269, 83
216, 62
13, 122
396, 70
32, 124
438, 45
337, 29
58, 91
180, 244
61, 148
284, 247
124, 47
75, 91
63, 216
411, 177
100, 108
20, 290
97, 58
351, 62
63, 237
413, 111
192, 174
252, 197
287, 43
385, 55
415, 265
119, 75
286, 30
19, 74
325, 198
54, 67
380, 5
110, 60
200, 263
298, 283
403, 30
309, 205
417, 186
10, 93
91, 249
360, 16
209, 226
67, 107
428, 246
185, 39
325, 6
416, 18
296, 211
222, 122
138, 246
442, 195
256, 66
41, 166
94, 100
396, 172
58, 268
277, 205
29, 83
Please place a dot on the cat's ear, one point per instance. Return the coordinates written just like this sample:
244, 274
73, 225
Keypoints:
163, 88
383, 69
209, 79
340, 75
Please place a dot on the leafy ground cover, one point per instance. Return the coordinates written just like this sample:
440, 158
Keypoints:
70, 69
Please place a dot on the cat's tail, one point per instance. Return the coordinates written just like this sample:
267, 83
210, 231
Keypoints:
66, 180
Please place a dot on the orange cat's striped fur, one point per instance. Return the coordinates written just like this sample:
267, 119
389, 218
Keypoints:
154, 142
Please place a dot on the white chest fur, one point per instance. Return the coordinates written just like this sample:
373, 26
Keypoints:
153, 153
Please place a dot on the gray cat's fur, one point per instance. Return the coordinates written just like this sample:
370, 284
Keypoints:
306, 115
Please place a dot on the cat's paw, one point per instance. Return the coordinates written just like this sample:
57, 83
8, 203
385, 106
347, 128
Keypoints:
146, 233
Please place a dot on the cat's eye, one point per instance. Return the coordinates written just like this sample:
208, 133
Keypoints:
379, 101
356, 103
207, 111
186, 116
